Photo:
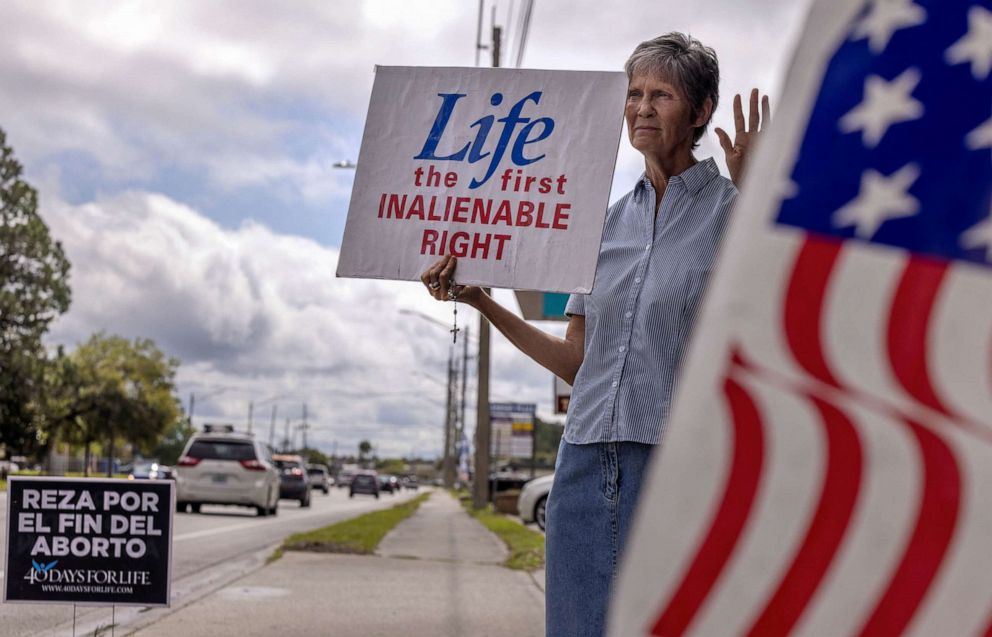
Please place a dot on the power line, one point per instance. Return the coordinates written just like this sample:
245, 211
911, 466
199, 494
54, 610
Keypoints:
525, 15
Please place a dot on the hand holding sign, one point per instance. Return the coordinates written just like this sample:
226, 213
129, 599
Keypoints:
440, 282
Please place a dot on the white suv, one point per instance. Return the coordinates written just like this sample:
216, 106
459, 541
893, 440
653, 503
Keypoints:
223, 467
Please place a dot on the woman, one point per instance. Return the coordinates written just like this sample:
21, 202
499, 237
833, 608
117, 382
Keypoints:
624, 341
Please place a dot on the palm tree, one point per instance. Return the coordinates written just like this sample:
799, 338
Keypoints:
364, 449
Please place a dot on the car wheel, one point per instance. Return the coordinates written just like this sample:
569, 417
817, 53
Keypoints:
261, 511
195, 507
351, 494
376, 496
275, 508
180, 507
326, 490
540, 512
305, 500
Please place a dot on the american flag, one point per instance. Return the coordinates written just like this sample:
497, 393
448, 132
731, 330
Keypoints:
842, 483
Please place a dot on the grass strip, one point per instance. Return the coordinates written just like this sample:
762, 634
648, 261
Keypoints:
358, 535
526, 546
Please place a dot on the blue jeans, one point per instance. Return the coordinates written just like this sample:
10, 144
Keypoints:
590, 510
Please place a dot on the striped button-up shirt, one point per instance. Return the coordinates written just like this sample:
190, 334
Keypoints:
649, 279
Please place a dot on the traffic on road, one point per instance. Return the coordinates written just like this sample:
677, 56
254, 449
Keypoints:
212, 546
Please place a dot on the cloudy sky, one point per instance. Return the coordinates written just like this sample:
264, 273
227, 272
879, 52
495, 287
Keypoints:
184, 155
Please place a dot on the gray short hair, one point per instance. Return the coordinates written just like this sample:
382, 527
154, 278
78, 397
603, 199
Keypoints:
687, 63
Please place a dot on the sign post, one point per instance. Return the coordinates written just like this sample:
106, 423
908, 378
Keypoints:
89, 541
513, 429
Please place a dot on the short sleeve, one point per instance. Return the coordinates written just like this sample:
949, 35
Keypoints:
576, 305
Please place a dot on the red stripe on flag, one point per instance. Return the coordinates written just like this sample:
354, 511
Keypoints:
804, 301
909, 321
838, 495
731, 516
935, 523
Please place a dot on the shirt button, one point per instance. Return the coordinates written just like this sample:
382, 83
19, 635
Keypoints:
615, 383
629, 314
623, 348
647, 247
637, 280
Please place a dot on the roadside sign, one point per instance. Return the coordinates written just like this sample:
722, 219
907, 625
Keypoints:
89, 541
542, 306
483, 164
512, 429
563, 392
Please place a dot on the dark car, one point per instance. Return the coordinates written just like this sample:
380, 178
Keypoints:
149, 470
319, 477
389, 484
294, 483
364, 482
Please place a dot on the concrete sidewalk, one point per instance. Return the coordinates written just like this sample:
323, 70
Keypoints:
437, 573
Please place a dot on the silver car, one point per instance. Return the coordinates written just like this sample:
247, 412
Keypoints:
223, 467
533, 499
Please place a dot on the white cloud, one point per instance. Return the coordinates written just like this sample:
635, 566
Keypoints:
143, 85
253, 314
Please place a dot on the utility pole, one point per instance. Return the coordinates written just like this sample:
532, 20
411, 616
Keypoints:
304, 426
192, 402
483, 434
448, 465
272, 427
460, 428
251, 409
497, 37
285, 438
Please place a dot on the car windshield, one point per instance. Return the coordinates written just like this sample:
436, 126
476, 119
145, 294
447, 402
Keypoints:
222, 450
286, 464
363, 478
315, 472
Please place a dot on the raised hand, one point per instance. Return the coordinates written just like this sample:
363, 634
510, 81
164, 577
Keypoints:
745, 138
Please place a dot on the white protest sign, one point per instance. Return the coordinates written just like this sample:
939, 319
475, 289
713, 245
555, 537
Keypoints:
826, 466
509, 170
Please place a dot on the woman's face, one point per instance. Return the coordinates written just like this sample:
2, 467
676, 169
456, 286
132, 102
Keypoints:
659, 119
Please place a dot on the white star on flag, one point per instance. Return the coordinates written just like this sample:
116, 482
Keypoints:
884, 104
880, 198
979, 235
885, 18
976, 45
981, 137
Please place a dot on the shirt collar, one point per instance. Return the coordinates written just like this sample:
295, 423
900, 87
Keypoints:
693, 178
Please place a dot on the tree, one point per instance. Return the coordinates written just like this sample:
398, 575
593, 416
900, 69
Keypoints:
315, 456
173, 440
547, 437
114, 389
34, 290
364, 449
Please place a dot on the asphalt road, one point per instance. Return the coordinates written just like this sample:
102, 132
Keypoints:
209, 549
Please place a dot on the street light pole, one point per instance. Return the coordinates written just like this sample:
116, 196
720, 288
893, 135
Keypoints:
272, 427
447, 462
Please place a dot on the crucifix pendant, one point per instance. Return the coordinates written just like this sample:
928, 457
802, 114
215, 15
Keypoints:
454, 324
